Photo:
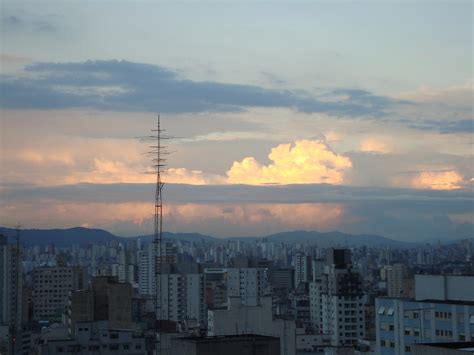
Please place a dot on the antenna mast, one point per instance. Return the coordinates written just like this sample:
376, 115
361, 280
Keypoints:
157, 153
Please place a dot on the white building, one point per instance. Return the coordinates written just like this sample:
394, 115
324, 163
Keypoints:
258, 319
337, 301
182, 298
249, 284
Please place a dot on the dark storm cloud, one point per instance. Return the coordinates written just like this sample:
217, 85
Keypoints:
127, 86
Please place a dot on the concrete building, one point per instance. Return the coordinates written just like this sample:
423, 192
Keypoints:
182, 298
444, 288
247, 344
442, 311
215, 287
92, 338
282, 277
457, 348
395, 275
106, 300
149, 261
303, 267
337, 302
51, 288
249, 284
11, 284
240, 319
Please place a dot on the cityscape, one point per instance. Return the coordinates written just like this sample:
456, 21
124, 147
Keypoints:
282, 297
236, 178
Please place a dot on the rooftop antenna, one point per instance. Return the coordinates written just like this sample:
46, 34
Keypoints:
157, 154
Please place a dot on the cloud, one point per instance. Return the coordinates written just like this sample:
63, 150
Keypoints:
227, 210
305, 162
374, 145
127, 86
29, 23
438, 180
9, 59
447, 110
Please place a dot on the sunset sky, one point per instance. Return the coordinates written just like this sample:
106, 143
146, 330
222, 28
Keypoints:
315, 115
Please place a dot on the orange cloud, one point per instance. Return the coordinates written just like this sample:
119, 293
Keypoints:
373, 145
222, 219
305, 162
438, 180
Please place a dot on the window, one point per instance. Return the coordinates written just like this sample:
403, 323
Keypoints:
407, 349
382, 310
390, 311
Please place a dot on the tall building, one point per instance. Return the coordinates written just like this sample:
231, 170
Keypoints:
337, 300
395, 275
149, 261
11, 290
303, 266
51, 288
215, 287
106, 300
182, 298
442, 311
11, 284
249, 284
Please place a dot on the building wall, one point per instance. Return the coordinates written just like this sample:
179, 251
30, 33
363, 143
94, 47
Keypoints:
11, 284
51, 288
228, 346
401, 323
444, 287
240, 319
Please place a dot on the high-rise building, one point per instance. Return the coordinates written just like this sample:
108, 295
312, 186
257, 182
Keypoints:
106, 300
337, 300
395, 275
11, 284
247, 283
303, 266
149, 262
182, 298
11, 290
51, 288
215, 287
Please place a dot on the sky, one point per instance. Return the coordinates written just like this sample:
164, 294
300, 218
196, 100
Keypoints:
354, 116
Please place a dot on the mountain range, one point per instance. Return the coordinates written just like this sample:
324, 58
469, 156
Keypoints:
83, 236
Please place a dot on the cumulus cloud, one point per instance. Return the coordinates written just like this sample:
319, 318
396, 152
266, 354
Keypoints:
305, 162
438, 180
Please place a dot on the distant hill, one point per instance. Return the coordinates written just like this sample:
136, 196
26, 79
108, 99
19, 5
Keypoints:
61, 237
84, 236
